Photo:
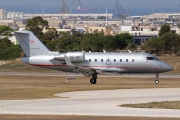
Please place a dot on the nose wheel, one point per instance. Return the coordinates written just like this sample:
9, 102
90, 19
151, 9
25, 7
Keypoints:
157, 81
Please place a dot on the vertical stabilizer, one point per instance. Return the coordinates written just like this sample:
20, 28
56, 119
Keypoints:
30, 44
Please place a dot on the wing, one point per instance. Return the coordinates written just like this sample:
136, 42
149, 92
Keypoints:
87, 72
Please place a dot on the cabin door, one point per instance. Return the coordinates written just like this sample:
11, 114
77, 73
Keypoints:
108, 61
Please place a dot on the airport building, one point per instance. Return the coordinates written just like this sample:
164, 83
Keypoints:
141, 27
162, 16
105, 30
12, 15
2, 14
15, 24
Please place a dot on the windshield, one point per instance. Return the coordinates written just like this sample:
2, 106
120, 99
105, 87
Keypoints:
152, 58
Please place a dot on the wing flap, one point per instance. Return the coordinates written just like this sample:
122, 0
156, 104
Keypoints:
85, 71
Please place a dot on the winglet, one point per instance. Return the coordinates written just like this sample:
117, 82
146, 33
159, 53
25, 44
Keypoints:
67, 60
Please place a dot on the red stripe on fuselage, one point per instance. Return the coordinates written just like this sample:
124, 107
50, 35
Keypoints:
43, 65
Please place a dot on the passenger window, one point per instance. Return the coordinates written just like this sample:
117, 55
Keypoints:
89, 60
95, 60
114, 60
101, 60
133, 60
126, 60
120, 60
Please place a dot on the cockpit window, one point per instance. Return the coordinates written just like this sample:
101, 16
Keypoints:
155, 58
149, 58
152, 58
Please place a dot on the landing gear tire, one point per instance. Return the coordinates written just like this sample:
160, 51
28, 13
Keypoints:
93, 81
156, 81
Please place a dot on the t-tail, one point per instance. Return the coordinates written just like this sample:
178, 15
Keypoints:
30, 44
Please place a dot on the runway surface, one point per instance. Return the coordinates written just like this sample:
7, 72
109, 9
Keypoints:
100, 103
74, 74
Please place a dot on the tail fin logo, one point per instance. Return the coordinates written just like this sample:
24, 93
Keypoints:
32, 41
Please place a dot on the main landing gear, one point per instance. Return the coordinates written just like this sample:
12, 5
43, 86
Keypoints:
157, 81
93, 79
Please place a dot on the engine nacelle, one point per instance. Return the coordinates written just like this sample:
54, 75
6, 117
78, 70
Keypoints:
75, 57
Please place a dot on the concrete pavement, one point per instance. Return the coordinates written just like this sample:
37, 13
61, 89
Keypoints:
100, 103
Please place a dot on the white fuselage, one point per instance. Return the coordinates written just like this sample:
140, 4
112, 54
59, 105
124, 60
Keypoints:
104, 62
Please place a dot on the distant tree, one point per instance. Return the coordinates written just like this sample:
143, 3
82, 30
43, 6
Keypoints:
8, 50
7, 33
153, 45
87, 43
179, 26
51, 39
5, 43
64, 34
170, 42
164, 29
123, 40
132, 46
4, 28
67, 42
36, 25
51, 34
109, 43
52, 45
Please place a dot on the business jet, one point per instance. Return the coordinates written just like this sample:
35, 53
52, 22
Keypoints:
90, 64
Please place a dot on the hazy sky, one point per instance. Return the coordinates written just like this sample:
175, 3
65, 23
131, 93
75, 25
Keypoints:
136, 7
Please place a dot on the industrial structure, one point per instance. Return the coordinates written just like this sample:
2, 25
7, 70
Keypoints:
65, 9
121, 13
141, 27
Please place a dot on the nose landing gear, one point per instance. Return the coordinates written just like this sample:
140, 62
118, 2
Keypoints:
157, 81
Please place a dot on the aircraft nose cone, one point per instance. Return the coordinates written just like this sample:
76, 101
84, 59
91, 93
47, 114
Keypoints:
166, 67
169, 67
